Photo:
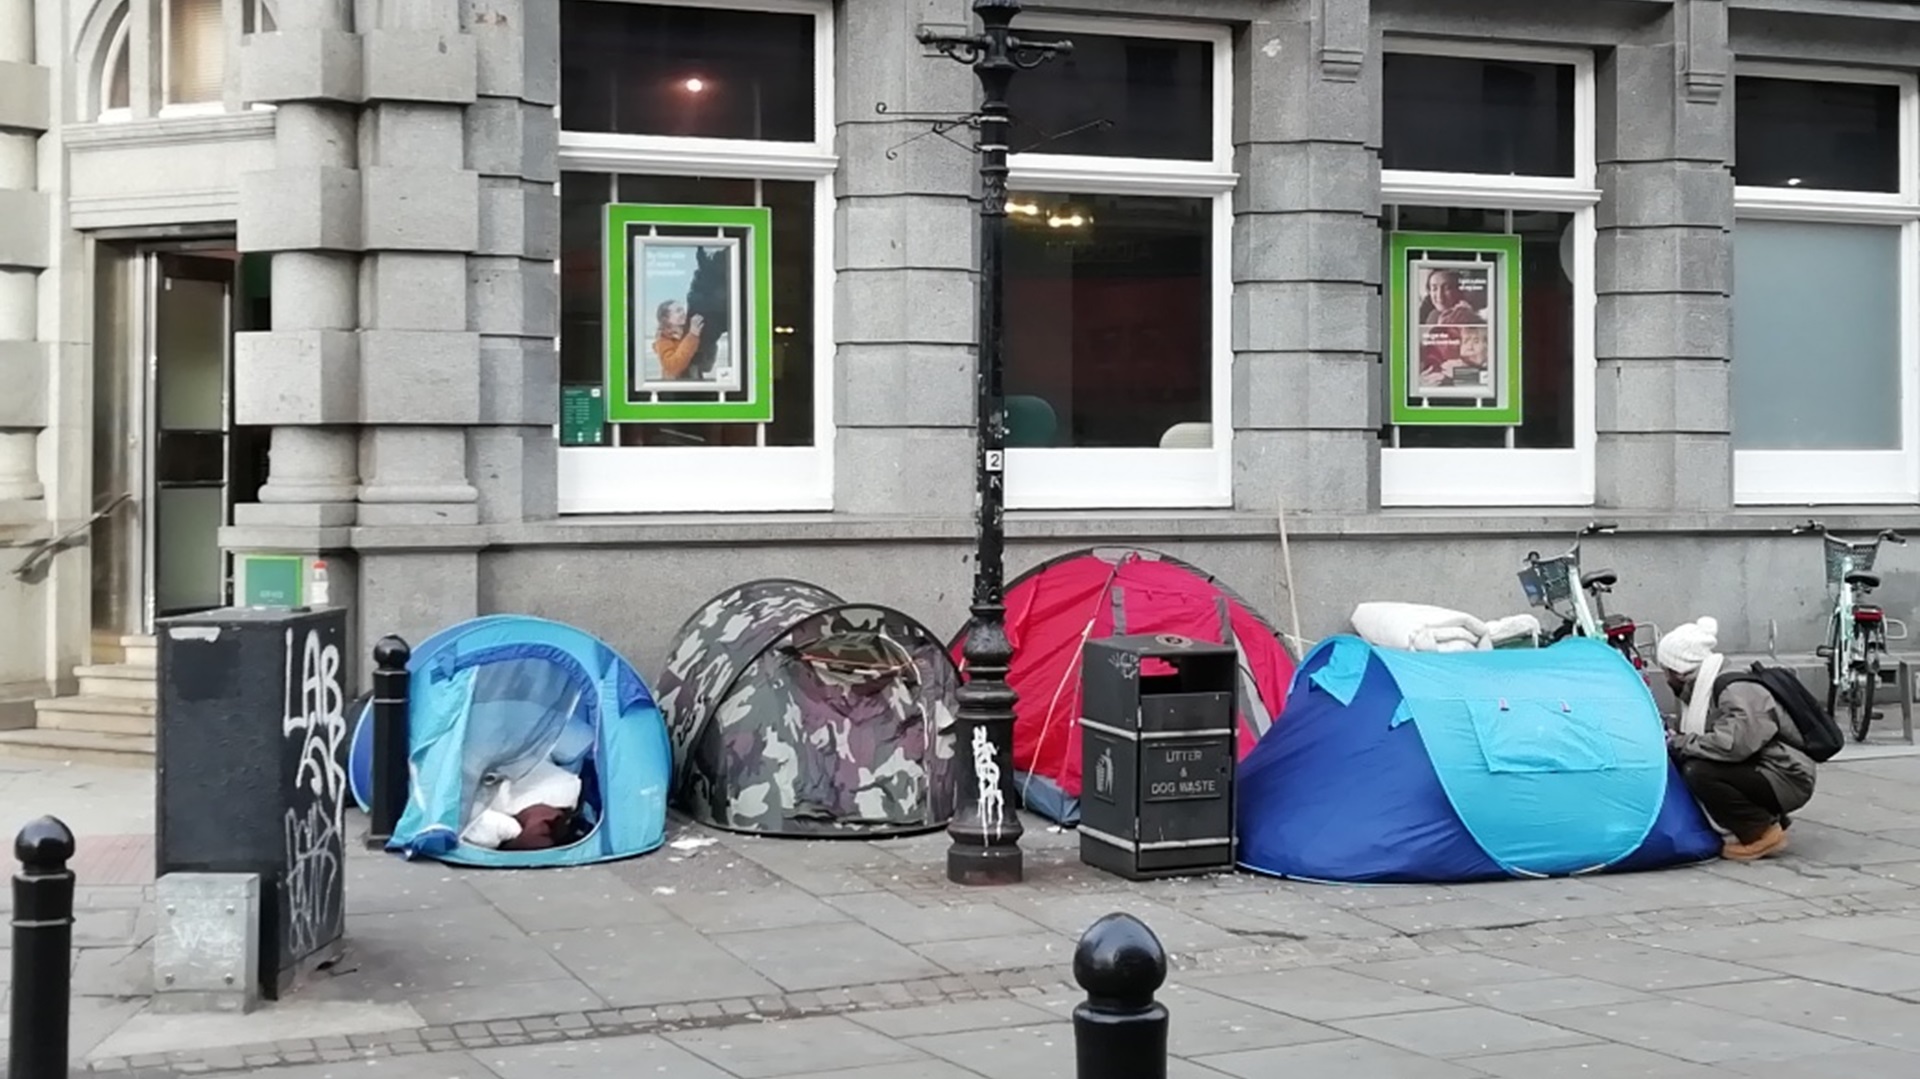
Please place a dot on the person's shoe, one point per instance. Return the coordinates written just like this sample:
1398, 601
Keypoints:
1771, 842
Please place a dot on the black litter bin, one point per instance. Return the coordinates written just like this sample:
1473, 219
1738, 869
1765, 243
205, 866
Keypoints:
1157, 741
252, 712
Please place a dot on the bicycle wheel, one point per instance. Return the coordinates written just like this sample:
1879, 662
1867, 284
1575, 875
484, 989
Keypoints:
1866, 678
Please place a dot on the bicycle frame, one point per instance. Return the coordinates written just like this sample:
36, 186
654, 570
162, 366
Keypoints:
1557, 583
1857, 632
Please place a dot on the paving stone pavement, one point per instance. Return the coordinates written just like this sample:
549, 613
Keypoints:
725, 957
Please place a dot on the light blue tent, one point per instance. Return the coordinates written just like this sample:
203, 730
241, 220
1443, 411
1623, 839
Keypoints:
492, 698
1391, 766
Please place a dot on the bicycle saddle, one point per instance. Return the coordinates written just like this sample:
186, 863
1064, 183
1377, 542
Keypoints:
1600, 578
1864, 580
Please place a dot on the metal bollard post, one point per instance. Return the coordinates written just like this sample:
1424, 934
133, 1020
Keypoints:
42, 952
390, 739
1120, 1032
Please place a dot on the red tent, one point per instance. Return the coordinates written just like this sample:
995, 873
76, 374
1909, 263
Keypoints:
1056, 607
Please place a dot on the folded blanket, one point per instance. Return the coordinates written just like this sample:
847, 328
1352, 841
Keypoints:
1418, 627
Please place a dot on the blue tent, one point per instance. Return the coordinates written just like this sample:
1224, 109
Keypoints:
1392, 766
492, 698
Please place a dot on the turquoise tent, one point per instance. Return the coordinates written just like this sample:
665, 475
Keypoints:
493, 698
1390, 766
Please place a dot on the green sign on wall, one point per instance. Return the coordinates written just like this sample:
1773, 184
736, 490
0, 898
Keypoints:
272, 580
583, 416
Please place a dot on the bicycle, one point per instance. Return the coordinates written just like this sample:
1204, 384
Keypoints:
1549, 584
1856, 631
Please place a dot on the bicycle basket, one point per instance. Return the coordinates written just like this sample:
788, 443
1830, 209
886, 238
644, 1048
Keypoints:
1547, 582
1839, 552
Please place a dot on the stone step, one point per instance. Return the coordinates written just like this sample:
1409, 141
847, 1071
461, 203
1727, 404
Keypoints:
118, 680
77, 747
124, 716
140, 651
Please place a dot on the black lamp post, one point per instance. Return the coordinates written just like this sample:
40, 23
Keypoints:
985, 829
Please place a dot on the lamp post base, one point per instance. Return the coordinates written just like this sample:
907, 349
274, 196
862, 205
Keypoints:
968, 864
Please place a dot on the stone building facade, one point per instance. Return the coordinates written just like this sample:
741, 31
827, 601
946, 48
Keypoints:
316, 280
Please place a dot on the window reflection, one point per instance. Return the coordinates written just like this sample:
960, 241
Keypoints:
1816, 135
1118, 97
655, 69
1461, 114
1109, 320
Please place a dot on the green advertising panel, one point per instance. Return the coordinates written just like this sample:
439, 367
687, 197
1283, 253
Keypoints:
689, 314
272, 580
1454, 340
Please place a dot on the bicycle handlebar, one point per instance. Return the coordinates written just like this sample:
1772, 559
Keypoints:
1814, 526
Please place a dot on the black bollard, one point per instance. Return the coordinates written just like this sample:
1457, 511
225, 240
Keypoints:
1121, 1031
390, 739
42, 952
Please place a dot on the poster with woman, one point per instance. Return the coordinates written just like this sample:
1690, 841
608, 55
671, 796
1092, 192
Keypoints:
1455, 330
1456, 307
685, 286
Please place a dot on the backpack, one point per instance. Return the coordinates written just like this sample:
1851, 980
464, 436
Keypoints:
1819, 733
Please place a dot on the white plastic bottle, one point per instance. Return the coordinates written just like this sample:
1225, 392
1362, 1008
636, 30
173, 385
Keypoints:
318, 594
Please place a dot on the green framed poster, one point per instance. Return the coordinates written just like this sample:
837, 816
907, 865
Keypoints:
1454, 337
689, 314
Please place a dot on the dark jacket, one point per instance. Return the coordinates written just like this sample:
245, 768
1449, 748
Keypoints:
1746, 724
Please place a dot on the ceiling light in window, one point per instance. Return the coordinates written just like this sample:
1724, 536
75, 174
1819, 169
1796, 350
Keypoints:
1068, 221
694, 85
1030, 209
1794, 182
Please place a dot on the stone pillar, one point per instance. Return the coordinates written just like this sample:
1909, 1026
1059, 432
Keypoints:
1664, 324
24, 254
906, 300
302, 377
512, 279
420, 363
1306, 261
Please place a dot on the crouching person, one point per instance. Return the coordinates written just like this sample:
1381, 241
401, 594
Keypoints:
1741, 754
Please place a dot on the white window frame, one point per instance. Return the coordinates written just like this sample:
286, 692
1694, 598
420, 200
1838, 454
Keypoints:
1473, 478
1144, 477
695, 479
1846, 477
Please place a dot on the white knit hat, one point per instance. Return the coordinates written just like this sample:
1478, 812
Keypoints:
1686, 647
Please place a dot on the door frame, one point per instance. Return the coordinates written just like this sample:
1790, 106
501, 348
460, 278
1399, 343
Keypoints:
129, 592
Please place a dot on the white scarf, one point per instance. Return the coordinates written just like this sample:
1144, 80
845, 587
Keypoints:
1693, 720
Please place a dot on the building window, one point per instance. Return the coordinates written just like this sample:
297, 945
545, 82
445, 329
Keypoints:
1118, 284
196, 52
182, 51
1825, 249
677, 105
1500, 143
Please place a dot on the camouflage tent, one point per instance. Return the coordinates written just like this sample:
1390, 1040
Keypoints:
793, 712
